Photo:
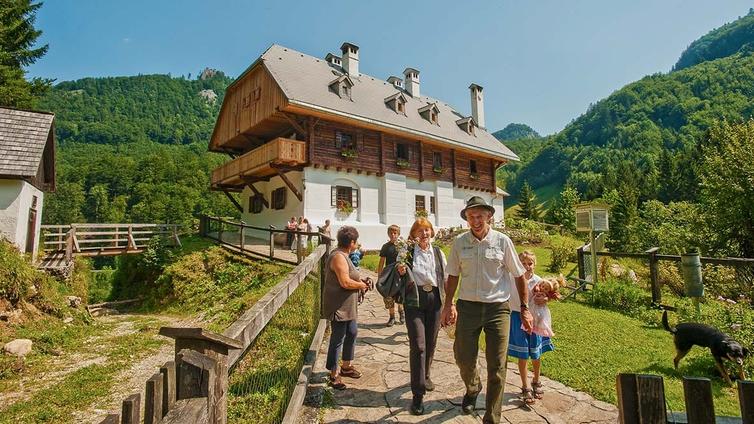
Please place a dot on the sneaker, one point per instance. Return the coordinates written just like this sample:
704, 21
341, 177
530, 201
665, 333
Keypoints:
391, 321
469, 403
402, 317
417, 408
429, 385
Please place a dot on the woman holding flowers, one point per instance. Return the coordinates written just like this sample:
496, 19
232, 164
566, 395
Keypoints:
425, 266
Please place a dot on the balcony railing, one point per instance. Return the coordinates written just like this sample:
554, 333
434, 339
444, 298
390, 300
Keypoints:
260, 162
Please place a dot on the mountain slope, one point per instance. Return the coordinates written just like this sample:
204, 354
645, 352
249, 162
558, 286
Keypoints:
515, 131
134, 149
638, 133
731, 38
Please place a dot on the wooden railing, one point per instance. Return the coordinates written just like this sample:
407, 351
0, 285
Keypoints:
641, 400
653, 258
194, 387
280, 151
235, 234
103, 239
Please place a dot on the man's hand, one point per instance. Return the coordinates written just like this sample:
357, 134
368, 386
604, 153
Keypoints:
448, 315
527, 321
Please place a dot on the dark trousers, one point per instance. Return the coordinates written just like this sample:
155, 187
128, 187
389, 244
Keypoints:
494, 319
343, 336
423, 324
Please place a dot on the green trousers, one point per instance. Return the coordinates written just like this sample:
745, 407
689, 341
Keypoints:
494, 319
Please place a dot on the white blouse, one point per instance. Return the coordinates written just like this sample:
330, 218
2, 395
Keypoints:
424, 266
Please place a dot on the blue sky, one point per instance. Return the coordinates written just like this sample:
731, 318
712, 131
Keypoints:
541, 62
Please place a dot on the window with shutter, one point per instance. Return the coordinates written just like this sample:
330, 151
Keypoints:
344, 140
278, 198
255, 204
401, 151
432, 204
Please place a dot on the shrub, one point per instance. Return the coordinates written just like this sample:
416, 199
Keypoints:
621, 296
524, 231
669, 275
16, 274
562, 253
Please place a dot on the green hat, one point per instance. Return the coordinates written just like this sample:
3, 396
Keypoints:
476, 202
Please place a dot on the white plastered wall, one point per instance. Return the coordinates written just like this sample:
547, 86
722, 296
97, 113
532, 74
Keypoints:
16, 197
277, 218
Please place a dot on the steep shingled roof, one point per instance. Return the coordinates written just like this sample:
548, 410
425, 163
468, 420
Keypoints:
305, 79
23, 136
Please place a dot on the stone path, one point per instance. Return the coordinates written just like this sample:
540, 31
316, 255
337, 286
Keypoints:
383, 394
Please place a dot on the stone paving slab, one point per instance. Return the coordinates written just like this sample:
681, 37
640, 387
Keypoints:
383, 395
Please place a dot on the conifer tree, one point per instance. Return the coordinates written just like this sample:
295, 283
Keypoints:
563, 211
527, 204
17, 39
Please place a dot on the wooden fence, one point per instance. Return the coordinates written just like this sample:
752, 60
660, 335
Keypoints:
194, 387
653, 258
103, 239
248, 238
641, 400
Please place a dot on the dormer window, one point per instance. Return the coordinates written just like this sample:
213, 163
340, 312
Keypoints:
342, 86
333, 60
467, 125
430, 112
397, 102
396, 82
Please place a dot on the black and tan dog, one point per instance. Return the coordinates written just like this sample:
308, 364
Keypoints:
686, 335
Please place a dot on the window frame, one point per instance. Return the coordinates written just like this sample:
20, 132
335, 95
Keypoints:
432, 206
278, 197
405, 146
256, 205
436, 160
473, 169
340, 137
420, 199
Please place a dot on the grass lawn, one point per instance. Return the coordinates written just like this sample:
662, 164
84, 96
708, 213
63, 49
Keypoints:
594, 345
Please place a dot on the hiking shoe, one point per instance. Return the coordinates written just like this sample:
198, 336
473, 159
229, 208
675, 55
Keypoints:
429, 385
469, 403
391, 321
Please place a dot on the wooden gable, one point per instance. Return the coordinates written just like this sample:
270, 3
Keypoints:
248, 112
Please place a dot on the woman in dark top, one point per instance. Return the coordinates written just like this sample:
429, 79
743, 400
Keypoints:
423, 305
339, 302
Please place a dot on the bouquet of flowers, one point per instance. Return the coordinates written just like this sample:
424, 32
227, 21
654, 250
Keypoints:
404, 246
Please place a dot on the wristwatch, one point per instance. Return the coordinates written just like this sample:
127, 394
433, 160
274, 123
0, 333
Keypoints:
524, 306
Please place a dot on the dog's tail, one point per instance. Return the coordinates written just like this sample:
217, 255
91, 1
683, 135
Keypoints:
665, 322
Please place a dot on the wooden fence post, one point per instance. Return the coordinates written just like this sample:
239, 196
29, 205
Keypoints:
654, 275
168, 386
298, 243
131, 410
746, 400
153, 400
242, 236
220, 232
202, 367
641, 399
580, 260
697, 393
272, 243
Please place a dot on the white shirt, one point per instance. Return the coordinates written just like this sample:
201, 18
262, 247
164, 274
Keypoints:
424, 266
516, 300
487, 267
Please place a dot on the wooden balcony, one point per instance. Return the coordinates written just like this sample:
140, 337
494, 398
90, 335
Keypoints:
259, 163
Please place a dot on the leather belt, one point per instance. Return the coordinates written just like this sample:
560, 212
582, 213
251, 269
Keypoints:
428, 288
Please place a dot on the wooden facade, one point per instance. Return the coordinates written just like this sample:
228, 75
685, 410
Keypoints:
255, 111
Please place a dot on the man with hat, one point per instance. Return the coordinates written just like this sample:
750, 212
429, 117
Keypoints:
488, 264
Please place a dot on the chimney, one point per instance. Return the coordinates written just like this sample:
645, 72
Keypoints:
350, 60
412, 81
395, 81
477, 105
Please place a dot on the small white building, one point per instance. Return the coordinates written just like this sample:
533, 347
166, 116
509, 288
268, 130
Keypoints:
27, 170
318, 138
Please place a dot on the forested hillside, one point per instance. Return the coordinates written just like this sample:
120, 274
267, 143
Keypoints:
671, 153
134, 149
647, 132
729, 39
515, 131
